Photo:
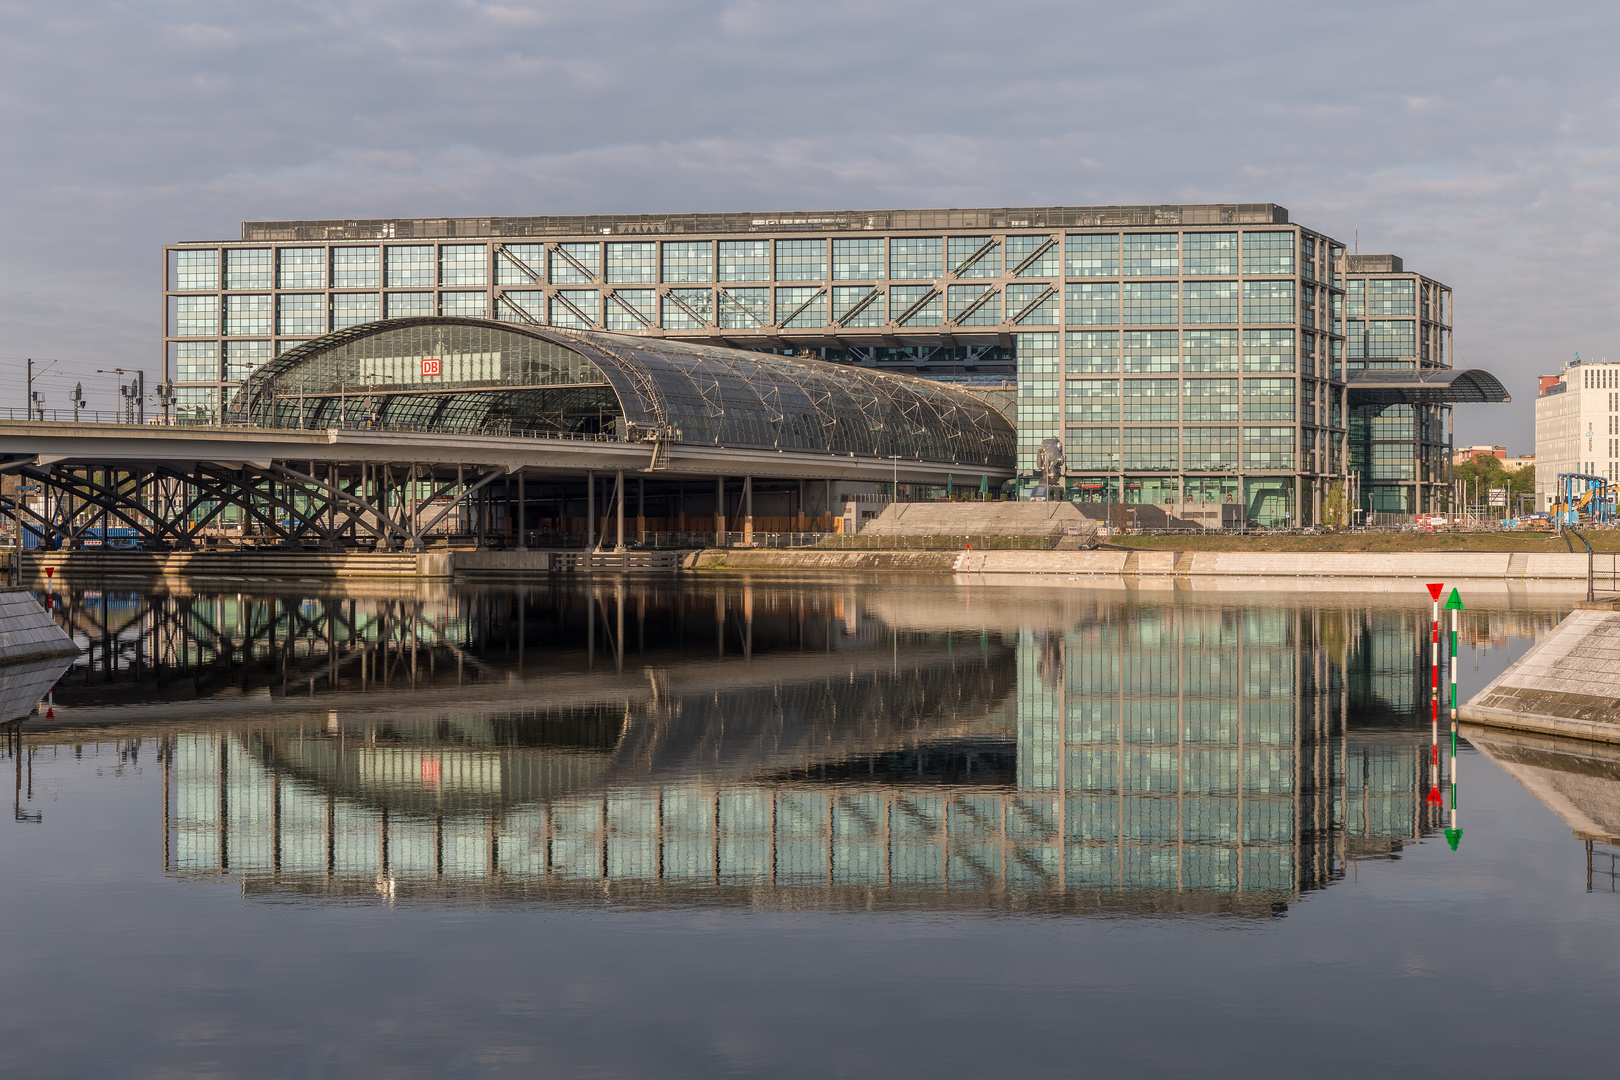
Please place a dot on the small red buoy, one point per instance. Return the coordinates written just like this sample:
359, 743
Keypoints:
49, 570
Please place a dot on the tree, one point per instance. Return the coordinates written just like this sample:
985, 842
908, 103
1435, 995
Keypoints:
1485, 471
1336, 507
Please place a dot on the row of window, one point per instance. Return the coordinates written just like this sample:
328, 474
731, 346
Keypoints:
1107, 255
1104, 401
1172, 449
855, 306
1104, 352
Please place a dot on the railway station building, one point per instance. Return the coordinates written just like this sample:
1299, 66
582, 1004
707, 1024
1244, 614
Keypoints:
1181, 354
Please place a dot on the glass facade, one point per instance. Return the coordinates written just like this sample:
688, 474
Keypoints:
981, 295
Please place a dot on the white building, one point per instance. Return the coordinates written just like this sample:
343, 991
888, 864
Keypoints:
1577, 425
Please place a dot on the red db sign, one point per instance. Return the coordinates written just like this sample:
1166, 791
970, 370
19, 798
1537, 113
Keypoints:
430, 367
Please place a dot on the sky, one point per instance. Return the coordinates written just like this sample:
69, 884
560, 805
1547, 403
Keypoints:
1476, 140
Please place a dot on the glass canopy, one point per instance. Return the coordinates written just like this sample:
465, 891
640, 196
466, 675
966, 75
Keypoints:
476, 376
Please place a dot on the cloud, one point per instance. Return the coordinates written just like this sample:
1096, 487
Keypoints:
1476, 141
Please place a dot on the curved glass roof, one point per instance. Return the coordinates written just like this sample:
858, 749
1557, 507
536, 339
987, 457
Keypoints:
500, 378
1449, 386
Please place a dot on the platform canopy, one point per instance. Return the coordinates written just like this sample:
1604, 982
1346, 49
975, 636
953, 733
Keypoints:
450, 375
1451, 386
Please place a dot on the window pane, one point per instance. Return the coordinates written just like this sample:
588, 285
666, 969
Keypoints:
521, 305
974, 256
1091, 401
301, 314
356, 268
301, 268
1268, 301
247, 268
1150, 303
352, 309
745, 260
520, 264
1152, 448
1209, 253
407, 267
1268, 253
632, 263
688, 260
465, 305
631, 309
973, 305
857, 260
243, 357
1268, 350
197, 270
1032, 305
688, 309
576, 308
1091, 448
1268, 399
1210, 350
249, 314
858, 305
463, 264
576, 264
1093, 303
801, 306
1023, 260
196, 361
1391, 337
1210, 302
916, 257
408, 305
744, 309
196, 316
1151, 255
1091, 256
1151, 400
1151, 351
916, 305
801, 260
1093, 351
1211, 400
1210, 448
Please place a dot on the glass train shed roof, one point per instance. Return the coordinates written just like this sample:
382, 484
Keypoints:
473, 375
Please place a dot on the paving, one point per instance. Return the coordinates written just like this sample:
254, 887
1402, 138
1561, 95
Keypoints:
1568, 685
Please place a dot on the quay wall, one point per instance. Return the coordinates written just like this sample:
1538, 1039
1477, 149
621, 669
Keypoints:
991, 565
27, 633
1568, 685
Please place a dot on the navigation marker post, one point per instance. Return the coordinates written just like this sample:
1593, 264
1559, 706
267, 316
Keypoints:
1454, 604
1435, 589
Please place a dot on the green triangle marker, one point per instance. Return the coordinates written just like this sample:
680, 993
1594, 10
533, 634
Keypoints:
1454, 603
1452, 836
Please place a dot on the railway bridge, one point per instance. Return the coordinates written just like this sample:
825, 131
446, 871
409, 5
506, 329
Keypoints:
395, 433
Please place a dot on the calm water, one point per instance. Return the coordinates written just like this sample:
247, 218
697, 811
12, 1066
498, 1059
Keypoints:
817, 830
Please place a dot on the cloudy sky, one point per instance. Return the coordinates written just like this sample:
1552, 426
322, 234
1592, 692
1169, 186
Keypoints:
1477, 140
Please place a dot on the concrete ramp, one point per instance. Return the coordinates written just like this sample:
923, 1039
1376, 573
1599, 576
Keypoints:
980, 519
1578, 781
1569, 684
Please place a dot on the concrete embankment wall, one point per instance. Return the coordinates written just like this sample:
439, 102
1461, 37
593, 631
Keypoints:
27, 632
1013, 565
1568, 685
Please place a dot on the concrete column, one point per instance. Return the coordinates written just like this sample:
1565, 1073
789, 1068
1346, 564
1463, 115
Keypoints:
522, 514
590, 511
618, 490
641, 509
719, 511
827, 509
748, 511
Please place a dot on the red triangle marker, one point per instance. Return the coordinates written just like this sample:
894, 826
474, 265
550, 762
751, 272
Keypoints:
1435, 590
1434, 797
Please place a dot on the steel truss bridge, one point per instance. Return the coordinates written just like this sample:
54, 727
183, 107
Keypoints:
396, 490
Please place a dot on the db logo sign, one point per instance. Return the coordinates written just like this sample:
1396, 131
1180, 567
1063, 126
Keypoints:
430, 368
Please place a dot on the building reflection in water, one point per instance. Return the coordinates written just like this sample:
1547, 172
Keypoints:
805, 744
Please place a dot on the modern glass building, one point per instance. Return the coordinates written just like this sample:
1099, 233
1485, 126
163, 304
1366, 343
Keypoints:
1182, 353
1396, 321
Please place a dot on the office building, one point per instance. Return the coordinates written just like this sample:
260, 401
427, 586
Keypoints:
1577, 425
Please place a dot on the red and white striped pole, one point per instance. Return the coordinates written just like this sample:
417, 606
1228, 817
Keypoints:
1435, 589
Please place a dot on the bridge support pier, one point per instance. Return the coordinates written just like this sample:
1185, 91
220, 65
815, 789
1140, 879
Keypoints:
720, 511
748, 511
590, 511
